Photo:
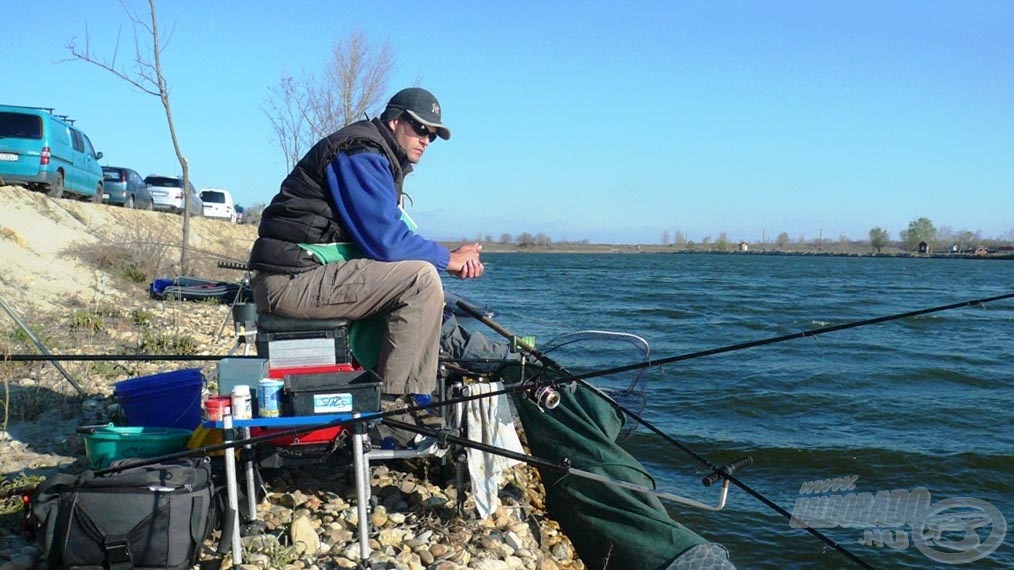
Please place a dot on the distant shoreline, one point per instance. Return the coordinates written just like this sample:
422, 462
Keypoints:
658, 249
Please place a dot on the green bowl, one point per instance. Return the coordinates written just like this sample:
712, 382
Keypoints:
106, 444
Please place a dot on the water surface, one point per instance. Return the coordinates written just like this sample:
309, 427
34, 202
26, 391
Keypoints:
925, 402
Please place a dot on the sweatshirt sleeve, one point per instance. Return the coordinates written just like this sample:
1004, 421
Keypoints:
367, 203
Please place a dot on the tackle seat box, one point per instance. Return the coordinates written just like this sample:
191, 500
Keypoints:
304, 347
331, 393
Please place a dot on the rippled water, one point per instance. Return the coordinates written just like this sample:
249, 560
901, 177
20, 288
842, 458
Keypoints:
926, 401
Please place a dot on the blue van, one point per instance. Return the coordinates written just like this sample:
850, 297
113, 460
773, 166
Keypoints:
43, 151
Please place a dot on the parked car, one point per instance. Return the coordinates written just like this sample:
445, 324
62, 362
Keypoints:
240, 214
125, 187
43, 151
218, 204
167, 194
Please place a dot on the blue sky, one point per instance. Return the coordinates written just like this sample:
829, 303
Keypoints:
606, 121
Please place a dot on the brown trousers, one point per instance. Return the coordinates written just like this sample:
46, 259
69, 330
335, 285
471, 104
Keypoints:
408, 294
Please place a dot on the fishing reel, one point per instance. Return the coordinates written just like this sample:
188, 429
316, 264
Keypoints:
545, 397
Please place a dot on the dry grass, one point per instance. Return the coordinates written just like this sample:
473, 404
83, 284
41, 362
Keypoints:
136, 252
132, 249
78, 282
28, 387
12, 235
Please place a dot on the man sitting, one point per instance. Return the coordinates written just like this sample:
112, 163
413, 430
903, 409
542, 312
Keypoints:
335, 242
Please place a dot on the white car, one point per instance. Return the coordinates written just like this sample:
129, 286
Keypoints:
218, 204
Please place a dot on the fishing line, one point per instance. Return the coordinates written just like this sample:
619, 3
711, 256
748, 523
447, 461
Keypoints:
741, 346
116, 357
443, 437
673, 441
724, 349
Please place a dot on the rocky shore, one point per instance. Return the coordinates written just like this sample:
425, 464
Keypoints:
308, 514
76, 276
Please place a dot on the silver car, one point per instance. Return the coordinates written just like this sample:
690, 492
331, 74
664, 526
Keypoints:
167, 194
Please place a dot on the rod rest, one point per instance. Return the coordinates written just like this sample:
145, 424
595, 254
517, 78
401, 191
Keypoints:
267, 322
727, 469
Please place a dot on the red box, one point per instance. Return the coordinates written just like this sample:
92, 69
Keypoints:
279, 373
315, 437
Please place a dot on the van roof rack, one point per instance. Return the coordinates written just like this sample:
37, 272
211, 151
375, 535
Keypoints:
49, 109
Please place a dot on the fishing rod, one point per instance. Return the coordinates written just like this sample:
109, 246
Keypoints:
46, 355
443, 437
299, 430
117, 357
520, 388
717, 471
528, 347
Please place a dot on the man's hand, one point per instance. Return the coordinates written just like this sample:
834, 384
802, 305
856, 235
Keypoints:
465, 263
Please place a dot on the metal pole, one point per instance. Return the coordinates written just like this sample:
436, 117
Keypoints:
361, 463
251, 487
230, 478
42, 348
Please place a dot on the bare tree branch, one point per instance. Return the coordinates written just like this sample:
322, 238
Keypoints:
109, 64
147, 77
287, 119
352, 82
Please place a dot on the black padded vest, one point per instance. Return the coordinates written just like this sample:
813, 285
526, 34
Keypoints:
303, 211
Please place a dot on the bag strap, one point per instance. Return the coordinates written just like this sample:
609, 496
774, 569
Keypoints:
116, 546
228, 529
53, 486
118, 555
225, 541
196, 517
195, 528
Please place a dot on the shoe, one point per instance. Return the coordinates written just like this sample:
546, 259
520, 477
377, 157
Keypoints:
394, 438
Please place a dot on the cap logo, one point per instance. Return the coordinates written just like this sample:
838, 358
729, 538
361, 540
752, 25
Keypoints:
436, 109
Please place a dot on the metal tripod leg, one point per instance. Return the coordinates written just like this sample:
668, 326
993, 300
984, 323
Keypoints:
245, 338
361, 465
251, 486
233, 494
458, 454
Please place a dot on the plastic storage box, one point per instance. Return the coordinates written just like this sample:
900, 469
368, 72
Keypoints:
331, 393
304, 348
170, 399
233, 371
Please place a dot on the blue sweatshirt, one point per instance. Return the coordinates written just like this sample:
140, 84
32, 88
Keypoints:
363, 190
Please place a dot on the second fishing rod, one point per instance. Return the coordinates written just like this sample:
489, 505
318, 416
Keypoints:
716, 470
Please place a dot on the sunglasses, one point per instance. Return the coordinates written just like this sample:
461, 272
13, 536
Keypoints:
419, 128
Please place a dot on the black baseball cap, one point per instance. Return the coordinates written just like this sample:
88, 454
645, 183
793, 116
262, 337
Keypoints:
421, 105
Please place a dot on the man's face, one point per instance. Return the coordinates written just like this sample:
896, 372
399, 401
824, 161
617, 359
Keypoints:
413, 136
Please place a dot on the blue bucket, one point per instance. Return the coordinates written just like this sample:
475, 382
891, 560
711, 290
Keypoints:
170, 399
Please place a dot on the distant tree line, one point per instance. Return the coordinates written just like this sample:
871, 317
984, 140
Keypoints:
920, 232
920, 235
